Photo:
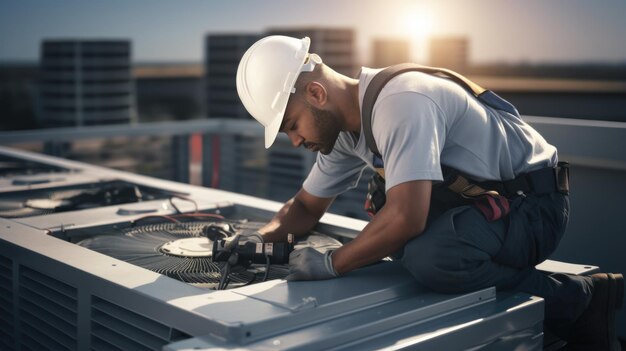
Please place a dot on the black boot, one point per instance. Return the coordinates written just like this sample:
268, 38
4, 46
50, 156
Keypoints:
595, 329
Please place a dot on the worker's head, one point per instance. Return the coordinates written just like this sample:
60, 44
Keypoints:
281, 85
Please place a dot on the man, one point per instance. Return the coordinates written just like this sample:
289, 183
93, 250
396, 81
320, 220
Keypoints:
421, 124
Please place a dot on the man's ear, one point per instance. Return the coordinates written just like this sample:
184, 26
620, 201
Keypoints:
316, 94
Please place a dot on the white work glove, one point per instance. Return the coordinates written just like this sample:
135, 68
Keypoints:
310, 264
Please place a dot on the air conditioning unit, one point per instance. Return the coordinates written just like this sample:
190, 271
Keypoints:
43, 201
141, 276
26, 171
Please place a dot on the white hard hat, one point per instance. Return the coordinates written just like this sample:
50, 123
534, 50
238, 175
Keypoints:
266, 77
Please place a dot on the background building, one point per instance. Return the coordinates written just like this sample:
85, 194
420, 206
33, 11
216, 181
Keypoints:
224, 51
450, 52
336, 46
276, 173
169, 91
86, 83
18, 86
387, 52
222, 55
287, 167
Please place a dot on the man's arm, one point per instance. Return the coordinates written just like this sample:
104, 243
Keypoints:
297, 216
402, 218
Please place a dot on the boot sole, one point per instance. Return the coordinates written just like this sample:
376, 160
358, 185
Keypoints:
616, 300
619, 289
608, 296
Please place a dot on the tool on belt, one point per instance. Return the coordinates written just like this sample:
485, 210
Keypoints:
457, 189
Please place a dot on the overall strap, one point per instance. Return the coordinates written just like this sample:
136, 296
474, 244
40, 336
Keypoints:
384, 76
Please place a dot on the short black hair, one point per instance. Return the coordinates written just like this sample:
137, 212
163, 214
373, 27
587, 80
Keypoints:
306, 77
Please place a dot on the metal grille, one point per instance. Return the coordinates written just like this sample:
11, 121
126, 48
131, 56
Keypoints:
287, 165
6, 304
115, 328
243, 165
47, 312
287, 169
143, 246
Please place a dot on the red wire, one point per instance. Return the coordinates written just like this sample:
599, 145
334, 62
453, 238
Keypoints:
169, 218
198, 215
215, 157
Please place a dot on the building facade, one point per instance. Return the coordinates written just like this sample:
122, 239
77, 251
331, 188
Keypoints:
224, 51
450, 52
336, 46
85, 82
222, 55
388, 52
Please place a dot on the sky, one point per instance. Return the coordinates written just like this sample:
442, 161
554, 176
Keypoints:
513, 31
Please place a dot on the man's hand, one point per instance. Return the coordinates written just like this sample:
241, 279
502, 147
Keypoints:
310, 264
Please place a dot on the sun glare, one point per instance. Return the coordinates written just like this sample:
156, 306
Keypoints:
418, 24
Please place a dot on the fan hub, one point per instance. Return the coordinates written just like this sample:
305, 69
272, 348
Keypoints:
188, 247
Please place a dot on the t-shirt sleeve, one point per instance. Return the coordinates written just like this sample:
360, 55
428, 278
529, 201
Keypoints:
409, 129
334, 173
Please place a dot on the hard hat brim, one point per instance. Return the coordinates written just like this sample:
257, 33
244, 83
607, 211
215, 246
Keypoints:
272, 129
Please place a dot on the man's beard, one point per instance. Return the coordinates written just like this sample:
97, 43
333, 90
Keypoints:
328, 127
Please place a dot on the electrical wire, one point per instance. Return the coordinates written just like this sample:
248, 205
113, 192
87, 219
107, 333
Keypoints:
173, 218
267, 257
169, 218
199, 215
267, 267
195, 204
224, 279
174, 206
227, 269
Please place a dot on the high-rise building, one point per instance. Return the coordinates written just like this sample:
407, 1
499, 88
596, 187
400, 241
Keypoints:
224, 51
17, 101
279, 172
450, 52
336, 46
222, 55
287, 167
387, 52
86, 82
169, 91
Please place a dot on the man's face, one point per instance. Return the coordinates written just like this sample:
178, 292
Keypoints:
315, 129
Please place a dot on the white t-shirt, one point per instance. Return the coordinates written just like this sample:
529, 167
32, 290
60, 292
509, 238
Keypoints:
420, 122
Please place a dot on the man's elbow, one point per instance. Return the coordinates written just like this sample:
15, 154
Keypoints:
411, 223
409, 203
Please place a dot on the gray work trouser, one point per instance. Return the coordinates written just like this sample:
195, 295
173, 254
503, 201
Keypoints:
460, 251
